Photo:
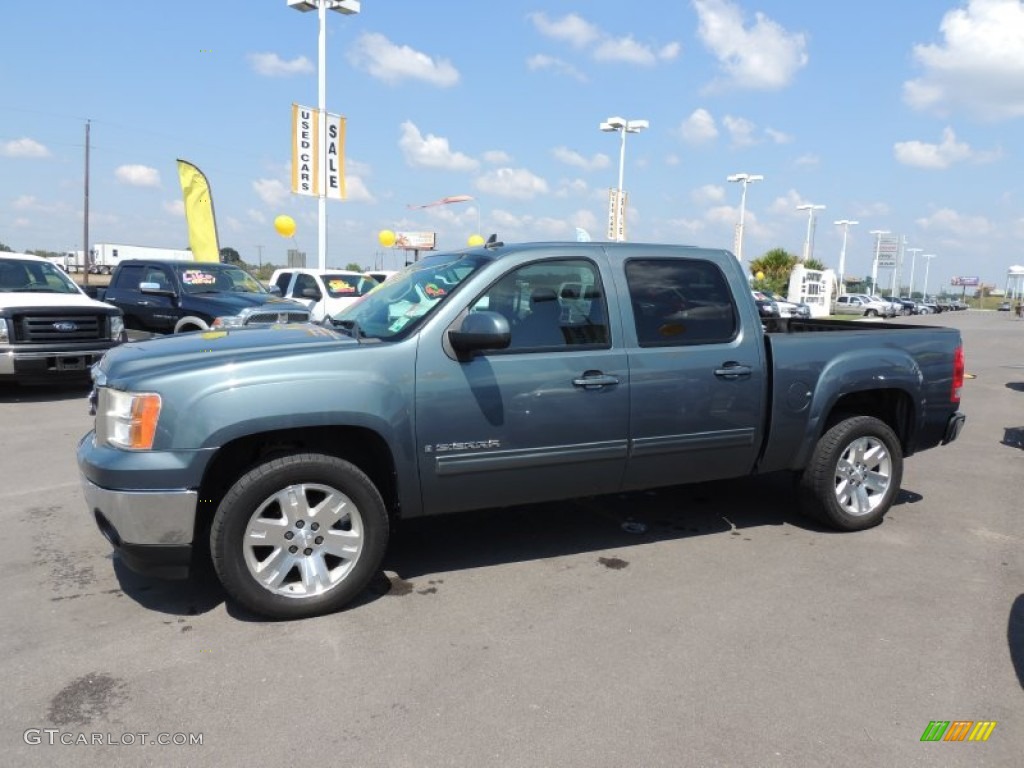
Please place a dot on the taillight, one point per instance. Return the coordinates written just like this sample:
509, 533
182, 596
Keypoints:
958, 374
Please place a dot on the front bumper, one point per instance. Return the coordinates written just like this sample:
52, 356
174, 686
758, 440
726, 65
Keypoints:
152, 530
39, 363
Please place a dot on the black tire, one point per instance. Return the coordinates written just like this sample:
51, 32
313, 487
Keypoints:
321, 551
854, 474
871, 313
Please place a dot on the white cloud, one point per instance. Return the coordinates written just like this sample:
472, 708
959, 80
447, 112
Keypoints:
497, 157
432, 151
24, 147
569, 157
580, 33
763, 56
26, 203
876, 210
138, 175
256, 216
271, 191
625, 49
808, 159
573, 188
570, 28
356, 190
709, 193
517, 183
740, 130
786, 204
948, 220
979, 65
542, 61
778, 137
392, 63
174, 207
937, 156
726, 215
699, 127
272, 65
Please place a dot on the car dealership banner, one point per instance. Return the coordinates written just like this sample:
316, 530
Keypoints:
318, 162
967, 281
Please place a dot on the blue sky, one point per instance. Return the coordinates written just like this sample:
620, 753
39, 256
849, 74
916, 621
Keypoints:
903, 116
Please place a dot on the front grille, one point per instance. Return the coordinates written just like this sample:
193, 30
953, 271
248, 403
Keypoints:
52, 327
277, 317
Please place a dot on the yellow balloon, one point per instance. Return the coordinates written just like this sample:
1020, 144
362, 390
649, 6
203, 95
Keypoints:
475, 240
285, 226
386, 238
759, 275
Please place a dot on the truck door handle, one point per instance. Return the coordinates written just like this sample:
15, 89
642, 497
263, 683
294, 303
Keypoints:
733, 370
144, 303
595, 380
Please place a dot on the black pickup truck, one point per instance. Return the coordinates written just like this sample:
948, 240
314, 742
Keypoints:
163, 296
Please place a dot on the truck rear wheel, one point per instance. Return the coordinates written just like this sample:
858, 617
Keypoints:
299, 535
854, 474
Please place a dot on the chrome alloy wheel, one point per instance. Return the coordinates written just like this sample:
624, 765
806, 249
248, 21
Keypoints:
303, 540
863, 474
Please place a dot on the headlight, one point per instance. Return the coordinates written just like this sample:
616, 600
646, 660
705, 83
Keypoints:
127, 419
229, 321
116, 326
3, 330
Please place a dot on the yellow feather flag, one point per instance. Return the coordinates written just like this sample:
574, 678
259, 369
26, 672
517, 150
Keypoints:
202, 226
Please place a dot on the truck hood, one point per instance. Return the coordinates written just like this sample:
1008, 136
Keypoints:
233, 303
207, 349
31, 300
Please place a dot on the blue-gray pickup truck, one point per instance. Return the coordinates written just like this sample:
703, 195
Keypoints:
491, 377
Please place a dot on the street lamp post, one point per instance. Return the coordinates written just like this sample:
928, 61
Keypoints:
913, 260
622, 126
927, 264
878, 251
845, 224
744, 179
809, 241
347, 7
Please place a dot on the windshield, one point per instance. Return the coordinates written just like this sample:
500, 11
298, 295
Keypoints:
217, 278
28, 276
341, 285
400, 304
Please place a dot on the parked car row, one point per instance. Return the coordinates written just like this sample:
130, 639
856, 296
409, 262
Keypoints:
878, 306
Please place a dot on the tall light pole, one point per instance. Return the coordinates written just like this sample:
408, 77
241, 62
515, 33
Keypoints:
744, 179
347, 7
913, 260
927, 264
809, 242
845, 224
878, 251
622, 126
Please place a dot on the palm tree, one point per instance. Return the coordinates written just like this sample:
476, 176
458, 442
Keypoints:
775, 266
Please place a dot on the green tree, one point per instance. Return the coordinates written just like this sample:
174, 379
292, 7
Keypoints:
230, 256
776, 266
5, 247
353, 267
815, 264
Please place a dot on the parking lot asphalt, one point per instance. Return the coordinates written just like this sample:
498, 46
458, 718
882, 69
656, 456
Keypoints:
696, 626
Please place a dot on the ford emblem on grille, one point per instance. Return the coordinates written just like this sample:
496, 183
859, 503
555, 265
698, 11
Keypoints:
65, 326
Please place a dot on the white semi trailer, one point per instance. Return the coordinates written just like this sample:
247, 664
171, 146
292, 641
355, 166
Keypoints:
106, 256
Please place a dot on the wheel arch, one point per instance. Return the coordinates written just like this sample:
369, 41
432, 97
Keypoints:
362, 447
186, 322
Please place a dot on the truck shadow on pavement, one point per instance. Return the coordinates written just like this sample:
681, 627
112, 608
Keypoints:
45, 393
427, 546
1015, 637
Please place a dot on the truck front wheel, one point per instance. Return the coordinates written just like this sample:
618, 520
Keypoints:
299, 535
854, 474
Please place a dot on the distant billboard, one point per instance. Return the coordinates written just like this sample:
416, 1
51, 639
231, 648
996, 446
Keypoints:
416, 241
971, 282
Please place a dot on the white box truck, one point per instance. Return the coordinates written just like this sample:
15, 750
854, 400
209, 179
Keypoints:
106, 256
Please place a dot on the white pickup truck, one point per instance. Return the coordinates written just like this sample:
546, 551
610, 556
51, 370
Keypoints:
324, 291
49, 328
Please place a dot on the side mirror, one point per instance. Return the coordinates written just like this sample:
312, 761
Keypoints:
155, 288
478, 332
275, 290
311, 293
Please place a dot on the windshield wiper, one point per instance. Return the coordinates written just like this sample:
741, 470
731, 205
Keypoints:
351, 327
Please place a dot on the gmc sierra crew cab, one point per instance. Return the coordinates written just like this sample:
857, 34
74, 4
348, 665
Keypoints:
492, 377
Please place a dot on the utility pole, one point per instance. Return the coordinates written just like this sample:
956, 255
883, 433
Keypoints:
259, 250
85, 217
